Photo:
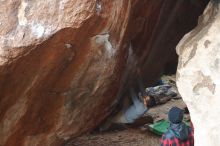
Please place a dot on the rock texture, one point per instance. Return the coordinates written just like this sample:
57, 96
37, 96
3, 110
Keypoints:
199, 75
64, 63
59, 67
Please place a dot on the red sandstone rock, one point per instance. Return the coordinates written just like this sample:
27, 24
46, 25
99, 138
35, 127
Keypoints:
62, 62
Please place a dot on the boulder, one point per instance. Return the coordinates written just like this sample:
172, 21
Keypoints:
198, 77
59, 67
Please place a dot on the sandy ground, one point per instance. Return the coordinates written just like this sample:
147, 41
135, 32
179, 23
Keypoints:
160, 112
129, 137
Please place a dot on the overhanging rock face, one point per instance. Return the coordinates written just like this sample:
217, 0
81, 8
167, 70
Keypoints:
58, 71
62, 63
198, 76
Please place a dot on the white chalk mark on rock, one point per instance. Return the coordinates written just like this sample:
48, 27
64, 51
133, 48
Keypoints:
22, 20
62, 4
38, 30
104, 40
98, 7
68, 46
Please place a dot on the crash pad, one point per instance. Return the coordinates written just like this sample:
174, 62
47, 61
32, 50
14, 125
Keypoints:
161, 126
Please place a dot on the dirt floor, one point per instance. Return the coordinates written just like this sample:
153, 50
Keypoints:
129, 137
160, 112
138, 136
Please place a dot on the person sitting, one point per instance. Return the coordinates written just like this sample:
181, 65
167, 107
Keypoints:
178, 134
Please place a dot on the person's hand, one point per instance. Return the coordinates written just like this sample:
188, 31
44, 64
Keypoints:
146, 99
145, 102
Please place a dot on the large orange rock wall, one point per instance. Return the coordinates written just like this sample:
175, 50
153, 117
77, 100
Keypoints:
64, 63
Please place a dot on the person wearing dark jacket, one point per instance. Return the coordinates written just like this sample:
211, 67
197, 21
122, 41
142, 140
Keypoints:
178, 134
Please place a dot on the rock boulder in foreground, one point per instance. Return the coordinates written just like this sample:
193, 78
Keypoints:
199, 75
